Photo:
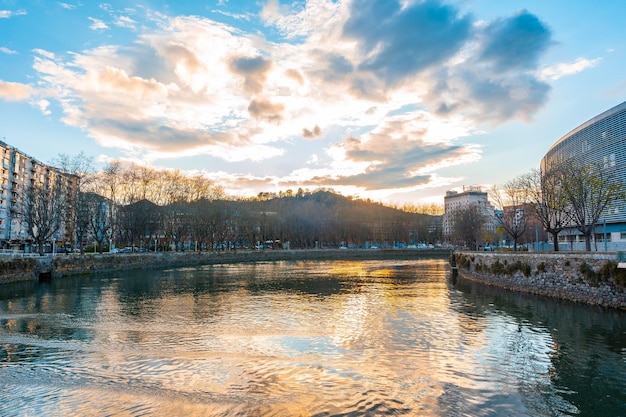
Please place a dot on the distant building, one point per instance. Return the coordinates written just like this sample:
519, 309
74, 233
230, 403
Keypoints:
471, 196
19, 172
601, 140
522, 215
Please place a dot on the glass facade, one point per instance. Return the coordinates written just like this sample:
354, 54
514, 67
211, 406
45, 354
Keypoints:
600, 140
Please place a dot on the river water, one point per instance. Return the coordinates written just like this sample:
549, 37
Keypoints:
314, 338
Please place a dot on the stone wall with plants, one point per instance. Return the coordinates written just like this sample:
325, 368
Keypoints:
593, 278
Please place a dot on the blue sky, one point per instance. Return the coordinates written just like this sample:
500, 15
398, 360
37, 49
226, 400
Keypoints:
397, 101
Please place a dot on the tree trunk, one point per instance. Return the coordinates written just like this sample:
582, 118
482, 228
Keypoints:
555, 239
588, 242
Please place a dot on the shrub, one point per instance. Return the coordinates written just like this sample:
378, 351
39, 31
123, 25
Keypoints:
588, 272
526, 269
497, 268
610, 272
464, 261
510, 269
541, 267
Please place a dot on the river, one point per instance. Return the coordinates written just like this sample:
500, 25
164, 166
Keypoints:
307, 338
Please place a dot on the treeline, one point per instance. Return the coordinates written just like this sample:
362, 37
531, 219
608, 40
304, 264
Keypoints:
138, 206
306, 219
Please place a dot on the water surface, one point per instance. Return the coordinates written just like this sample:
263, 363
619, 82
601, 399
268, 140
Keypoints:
333, 338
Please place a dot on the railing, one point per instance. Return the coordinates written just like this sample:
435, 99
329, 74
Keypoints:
21, 254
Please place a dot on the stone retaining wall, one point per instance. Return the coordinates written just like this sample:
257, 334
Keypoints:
592, 278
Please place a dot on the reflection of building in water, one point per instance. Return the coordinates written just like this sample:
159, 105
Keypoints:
600, 140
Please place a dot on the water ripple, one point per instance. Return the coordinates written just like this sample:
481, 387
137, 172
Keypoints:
305, 339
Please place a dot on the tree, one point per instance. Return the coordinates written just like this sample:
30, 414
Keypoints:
513, 211
546, 195
468, 226
42, 207
98, 213
80, 168
590, 189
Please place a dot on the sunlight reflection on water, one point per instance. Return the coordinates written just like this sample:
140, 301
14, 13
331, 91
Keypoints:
285, 339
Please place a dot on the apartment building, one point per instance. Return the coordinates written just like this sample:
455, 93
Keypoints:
19, 173
471, 196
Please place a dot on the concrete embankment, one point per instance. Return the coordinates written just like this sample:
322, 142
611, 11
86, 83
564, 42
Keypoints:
34, 268
591, 278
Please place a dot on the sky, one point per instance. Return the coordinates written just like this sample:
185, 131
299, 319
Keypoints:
393, 100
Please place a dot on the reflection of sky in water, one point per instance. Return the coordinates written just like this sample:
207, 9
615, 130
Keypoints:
299, 338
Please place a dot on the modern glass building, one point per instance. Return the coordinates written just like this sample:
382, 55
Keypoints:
602, 140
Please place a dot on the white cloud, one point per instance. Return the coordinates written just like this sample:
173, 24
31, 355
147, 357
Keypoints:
125, 22
43, 106
67, 6
15, 91
6, 14
567, 68
7, 51
97, 24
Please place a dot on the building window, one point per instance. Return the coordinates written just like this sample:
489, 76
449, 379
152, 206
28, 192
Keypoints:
609, 161
585, 146
622, 235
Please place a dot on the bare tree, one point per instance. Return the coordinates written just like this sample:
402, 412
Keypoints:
99, 227
80, 167
108, 183
513, 213
469, 226
590, 188
547, 198
42, 207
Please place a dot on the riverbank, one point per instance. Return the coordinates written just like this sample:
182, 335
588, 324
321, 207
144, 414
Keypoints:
34, 268
591, 278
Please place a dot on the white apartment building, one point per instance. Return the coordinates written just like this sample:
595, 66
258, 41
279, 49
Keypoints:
470, 196
20, 171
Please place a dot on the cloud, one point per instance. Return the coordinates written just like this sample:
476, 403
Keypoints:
494, 78
6, 14
125, 22
300, 19
15, 91
67, 6
295, 75
192, 86
564, 69
515, 43
97, 24
43, 106
254, 69
7, 51
313, 133
402, 153
264, 109
397, 41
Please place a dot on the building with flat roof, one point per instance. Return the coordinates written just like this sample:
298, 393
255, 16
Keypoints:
471, 196
600, 140
18, 173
